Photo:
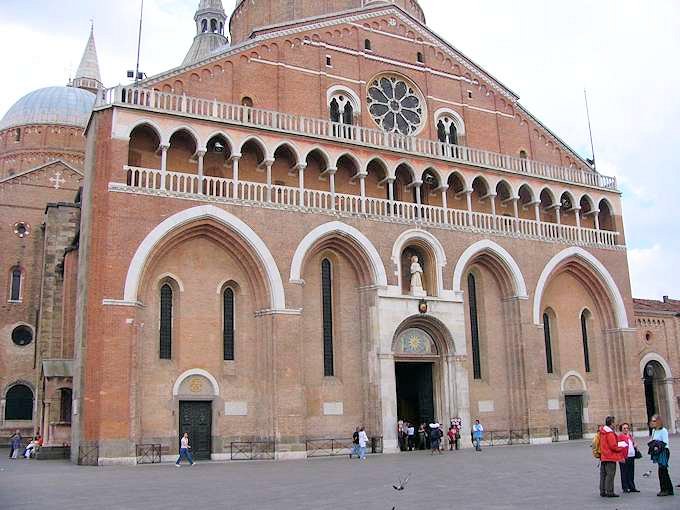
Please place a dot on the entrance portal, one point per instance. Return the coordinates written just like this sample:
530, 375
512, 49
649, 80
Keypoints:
655, 391
196, 419
415, 398
574, 407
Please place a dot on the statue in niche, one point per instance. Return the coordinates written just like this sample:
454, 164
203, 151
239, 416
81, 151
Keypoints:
417, 289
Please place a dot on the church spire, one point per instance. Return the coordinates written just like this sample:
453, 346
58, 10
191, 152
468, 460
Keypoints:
210, 21
88, 76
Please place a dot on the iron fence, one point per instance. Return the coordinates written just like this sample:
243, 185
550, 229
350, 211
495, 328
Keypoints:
254, 450
88, 454
339, 446
506, 437
148, 453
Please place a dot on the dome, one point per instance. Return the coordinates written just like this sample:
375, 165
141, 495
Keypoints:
248, 17
53, 105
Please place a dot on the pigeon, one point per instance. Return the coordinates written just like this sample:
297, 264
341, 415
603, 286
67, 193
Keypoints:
647, 474
401, 484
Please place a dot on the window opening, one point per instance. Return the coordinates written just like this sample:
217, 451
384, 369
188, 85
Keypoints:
19, 403
474, 326
327, 298
15, 286
166, 322
584, 333
66, 398
228, 334
548, 343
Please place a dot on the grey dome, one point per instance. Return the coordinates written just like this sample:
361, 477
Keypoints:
52, 105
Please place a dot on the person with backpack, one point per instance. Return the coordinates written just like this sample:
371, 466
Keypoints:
606, 444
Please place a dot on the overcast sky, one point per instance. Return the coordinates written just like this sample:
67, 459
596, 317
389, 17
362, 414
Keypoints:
624, 52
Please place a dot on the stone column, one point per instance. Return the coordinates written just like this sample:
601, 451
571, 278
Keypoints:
537, 211
164, 163
234, 169
468, 199
301, 183
362, 192
557, 214
388, 398
515, 212
445, 199
577, 213
46, 423
596, 215
331, 182
390, 193
418, 185
201, 155
461, 396
268, 165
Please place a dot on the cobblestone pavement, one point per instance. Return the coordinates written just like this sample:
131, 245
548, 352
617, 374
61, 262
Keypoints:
559, 476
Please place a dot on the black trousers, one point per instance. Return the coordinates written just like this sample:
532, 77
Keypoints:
665, 479
628, 474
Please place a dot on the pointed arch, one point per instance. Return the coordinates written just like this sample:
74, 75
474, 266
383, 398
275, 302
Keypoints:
378, 275
290, 146
150, 124
256, 140
183, 218
501, 255
583, 257
431, 242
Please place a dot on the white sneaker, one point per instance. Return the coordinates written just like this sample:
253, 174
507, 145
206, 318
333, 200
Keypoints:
176, 465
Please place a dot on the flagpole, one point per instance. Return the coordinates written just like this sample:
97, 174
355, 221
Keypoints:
590, 129
139, 42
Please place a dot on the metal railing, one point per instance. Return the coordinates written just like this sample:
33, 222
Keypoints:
253, 450
337, 447
506, 437
218, 189
88, 454
153, 100
148, 453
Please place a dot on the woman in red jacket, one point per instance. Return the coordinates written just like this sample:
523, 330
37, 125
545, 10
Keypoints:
610, 454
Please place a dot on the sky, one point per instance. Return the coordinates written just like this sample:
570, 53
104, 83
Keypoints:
624, 52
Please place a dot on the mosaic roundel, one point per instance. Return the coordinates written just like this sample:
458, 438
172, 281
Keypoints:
415, 341
395, 105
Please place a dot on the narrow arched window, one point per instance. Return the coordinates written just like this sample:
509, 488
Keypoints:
367, 44
19, 403
474, 326
421, 57
228, 321
584, 334
335, 111
453, 134
166, 322
15, 285
204, 25
17, 135
327, 305
213, 26
548, 343
348, 114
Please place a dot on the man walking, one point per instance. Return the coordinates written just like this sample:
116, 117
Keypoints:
15, 444
184, 450
363, 441
477, 435
610, 454
355, 444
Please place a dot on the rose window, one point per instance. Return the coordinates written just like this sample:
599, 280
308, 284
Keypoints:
395, 105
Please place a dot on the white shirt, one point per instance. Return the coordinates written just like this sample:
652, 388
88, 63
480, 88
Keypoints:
363, 439
411, 431
185, 442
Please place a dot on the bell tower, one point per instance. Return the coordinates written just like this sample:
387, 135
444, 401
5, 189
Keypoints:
210, 21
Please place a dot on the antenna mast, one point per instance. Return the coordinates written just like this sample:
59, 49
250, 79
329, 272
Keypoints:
139, 43
590, 129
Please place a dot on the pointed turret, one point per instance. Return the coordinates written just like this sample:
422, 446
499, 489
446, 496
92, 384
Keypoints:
88, 76
210, 19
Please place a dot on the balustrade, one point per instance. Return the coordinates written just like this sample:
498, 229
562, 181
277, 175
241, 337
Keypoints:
145, 180
319, 128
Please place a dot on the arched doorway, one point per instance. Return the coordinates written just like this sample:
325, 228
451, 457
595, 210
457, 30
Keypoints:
416, 365
656, 395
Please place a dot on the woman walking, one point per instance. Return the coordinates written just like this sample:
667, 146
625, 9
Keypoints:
659, 448
628, 465
184, 450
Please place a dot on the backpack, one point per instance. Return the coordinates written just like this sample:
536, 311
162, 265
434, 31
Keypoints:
597, 453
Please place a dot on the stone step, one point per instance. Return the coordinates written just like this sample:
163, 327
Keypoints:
53, 453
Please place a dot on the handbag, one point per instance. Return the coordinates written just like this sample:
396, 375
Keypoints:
638, 453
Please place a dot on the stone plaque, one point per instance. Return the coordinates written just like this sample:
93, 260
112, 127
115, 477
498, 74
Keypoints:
553, 404
333, 409
486, 406
236, 409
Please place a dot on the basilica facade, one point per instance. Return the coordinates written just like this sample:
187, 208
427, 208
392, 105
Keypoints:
331, 217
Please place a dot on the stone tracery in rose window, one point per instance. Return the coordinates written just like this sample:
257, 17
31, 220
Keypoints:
395, 105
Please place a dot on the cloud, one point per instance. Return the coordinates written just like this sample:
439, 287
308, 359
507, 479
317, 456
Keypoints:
651, 271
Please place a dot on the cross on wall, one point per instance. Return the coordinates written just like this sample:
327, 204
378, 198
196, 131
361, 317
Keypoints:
57, 180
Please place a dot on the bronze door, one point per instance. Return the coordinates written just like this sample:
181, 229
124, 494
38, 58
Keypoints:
574, 407
196, 419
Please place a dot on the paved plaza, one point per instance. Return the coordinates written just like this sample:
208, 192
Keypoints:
559, 476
